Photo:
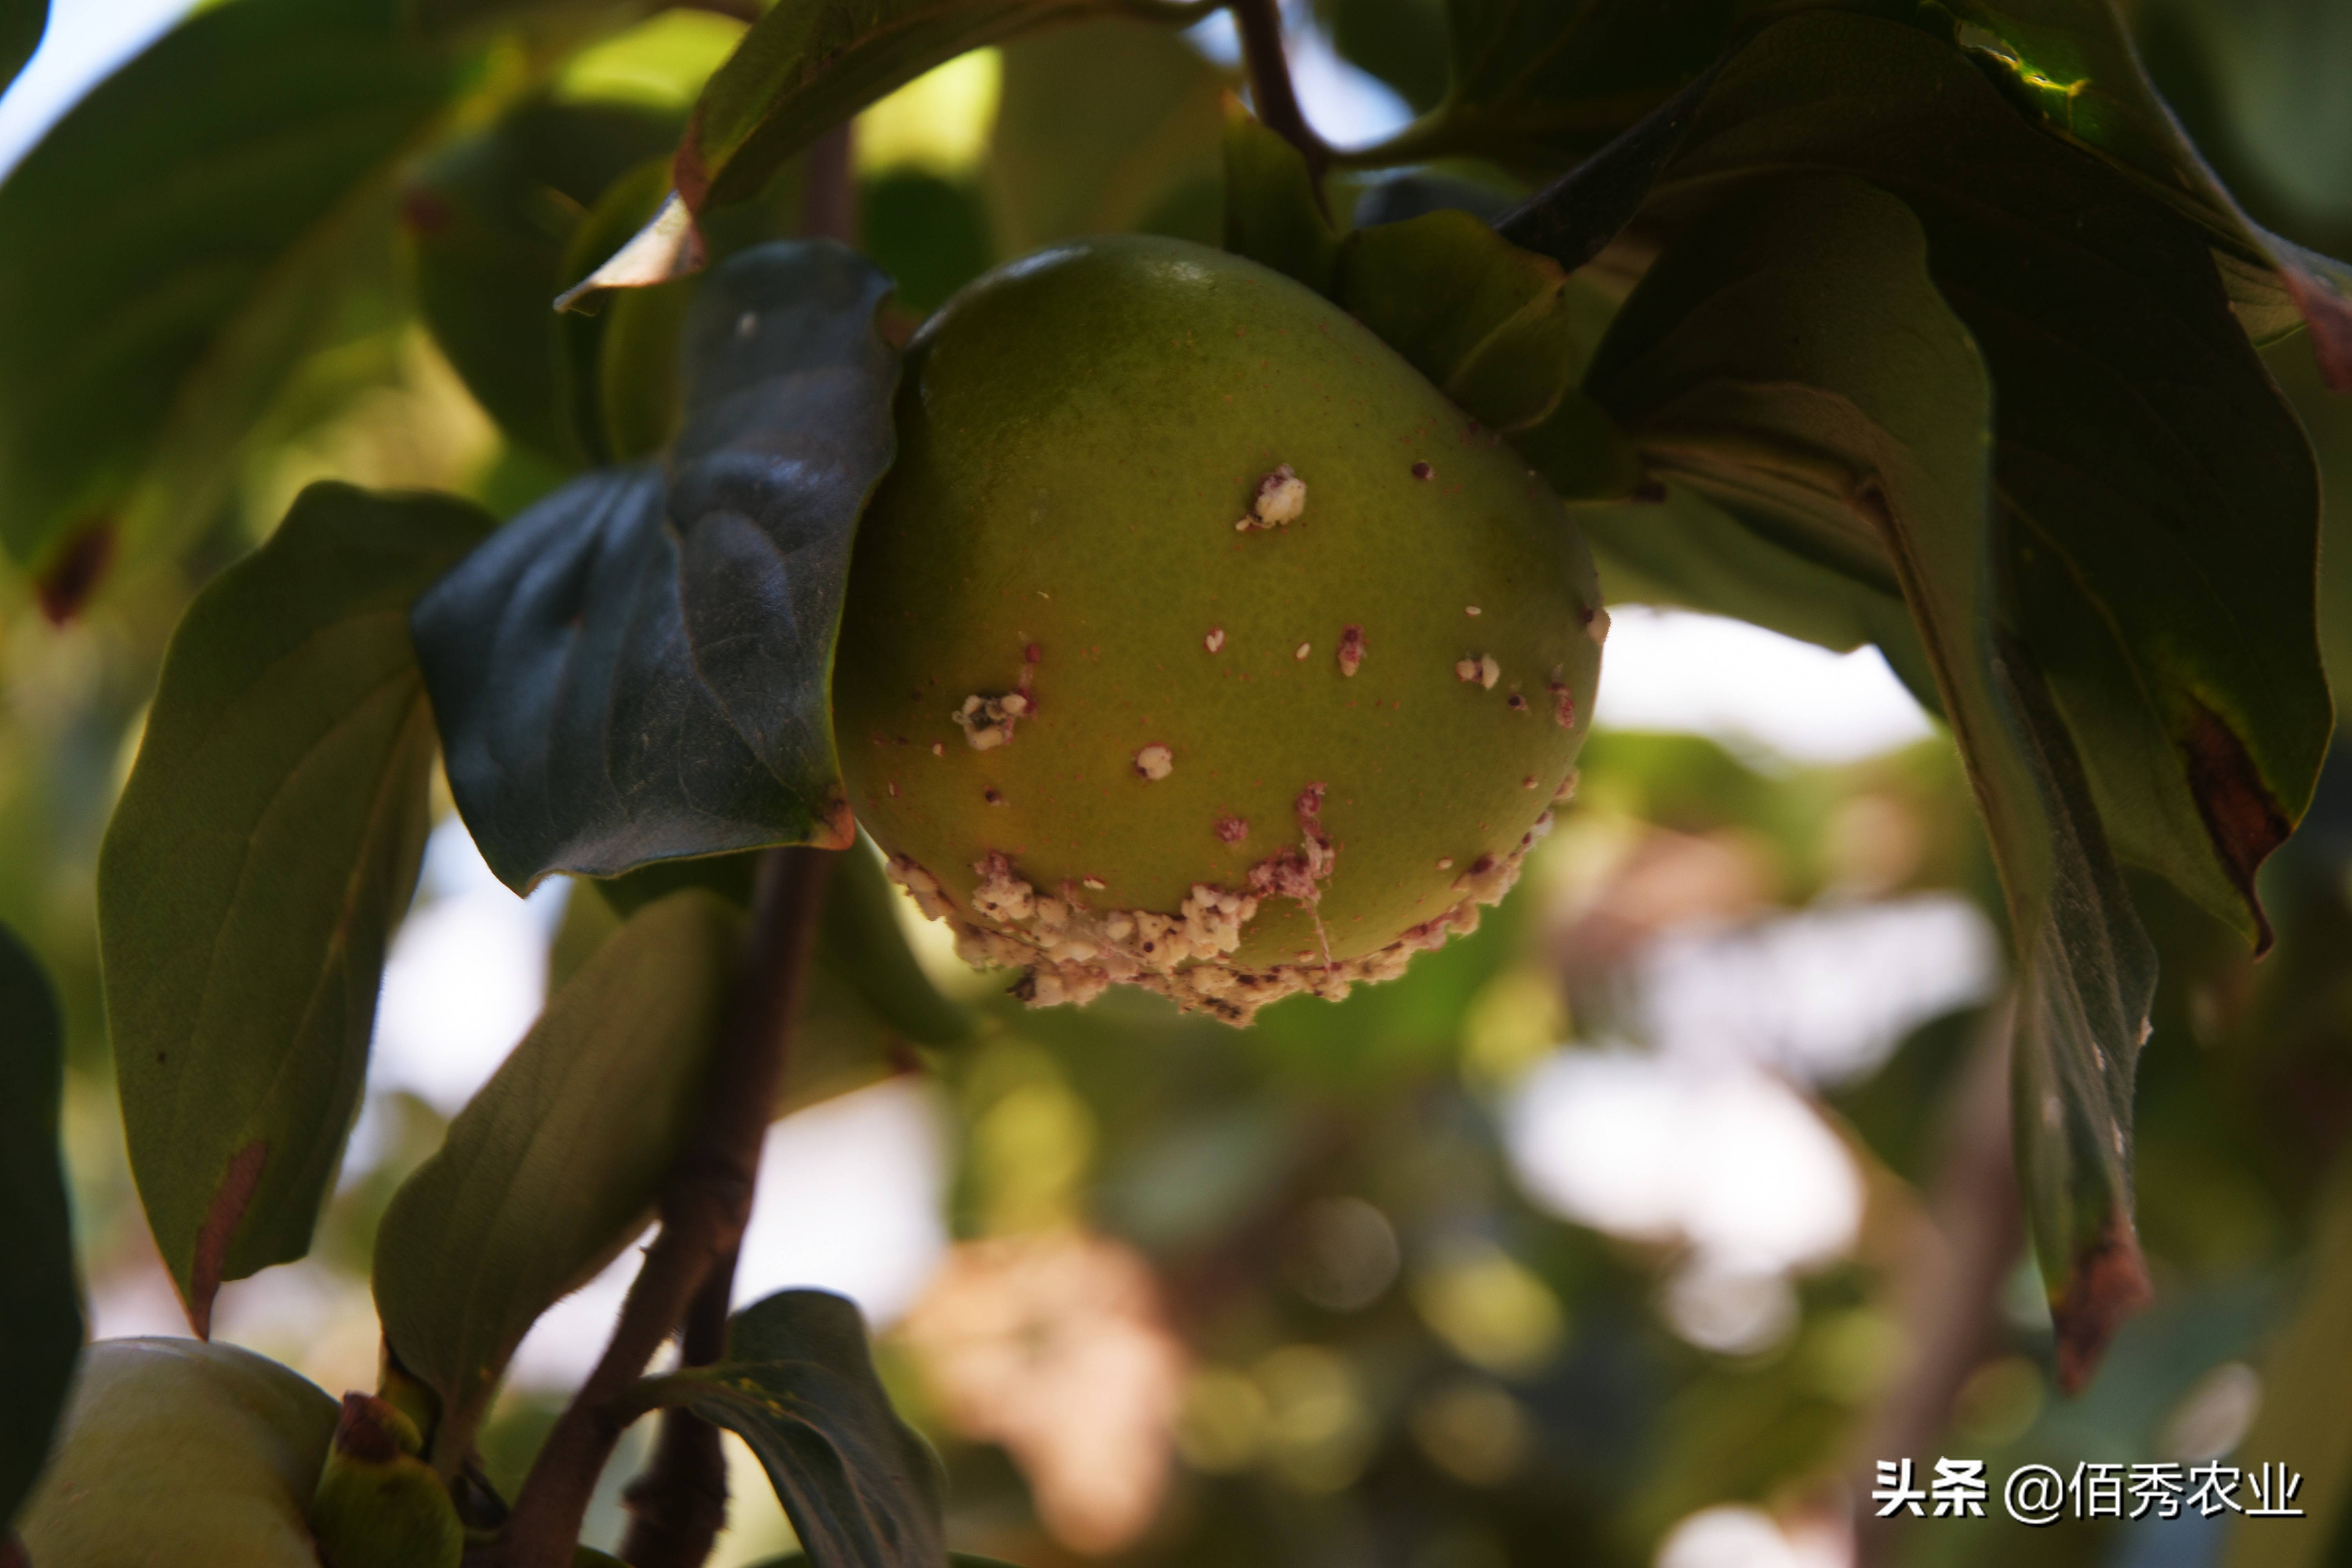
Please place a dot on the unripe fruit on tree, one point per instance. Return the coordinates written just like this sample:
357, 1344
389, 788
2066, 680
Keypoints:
1195, 640
202, 1455
379, 1505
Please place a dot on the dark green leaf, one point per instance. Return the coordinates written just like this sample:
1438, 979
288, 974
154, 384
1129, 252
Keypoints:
1102, 128
177, 240
1791, 357
1274, 215
636, 667
555, 1165
2070, 63
40, 1315
1542, 86
1507, 337
491, 218
798, 1386
265, 846
1402, 42
22, 23
1574, 217
2159, 492
930, 234
804, 68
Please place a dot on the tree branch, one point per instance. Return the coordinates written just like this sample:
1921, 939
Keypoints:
1949, 1298
1271, 94
703, 1208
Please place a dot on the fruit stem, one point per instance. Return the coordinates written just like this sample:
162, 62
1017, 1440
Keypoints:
1259, 23
704, 1206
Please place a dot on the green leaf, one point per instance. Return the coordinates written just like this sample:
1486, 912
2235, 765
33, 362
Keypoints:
491, 218
555, 1165
798, 1386
1402, 42
1542, 86
804, 68
22, 23
2306, 1407
1105, 127
1791, 357
1506, 336
2071, 64
1274, 215
636, 668
2160, 495
40, 1313
182, 235
265, 846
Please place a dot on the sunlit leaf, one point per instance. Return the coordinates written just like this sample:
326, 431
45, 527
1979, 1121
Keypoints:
263, 848
2070, 63
178, 239
636, 668
803, 68
797, 1384
1104, 127
40, 1312
555, 1165
1791, 357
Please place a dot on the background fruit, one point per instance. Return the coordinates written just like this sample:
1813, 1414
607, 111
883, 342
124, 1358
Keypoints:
1092, 633
180, 1451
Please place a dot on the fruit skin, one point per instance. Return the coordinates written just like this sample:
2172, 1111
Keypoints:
1079, 433
202, 1455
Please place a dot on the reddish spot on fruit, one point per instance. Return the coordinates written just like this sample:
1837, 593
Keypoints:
1231, 830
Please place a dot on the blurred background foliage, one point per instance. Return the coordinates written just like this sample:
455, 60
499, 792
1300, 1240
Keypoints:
1629, 1230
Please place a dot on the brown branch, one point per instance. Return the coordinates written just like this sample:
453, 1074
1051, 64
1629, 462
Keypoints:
829, 187
1973, 1230
677, 1505
704, 1207
1271, 94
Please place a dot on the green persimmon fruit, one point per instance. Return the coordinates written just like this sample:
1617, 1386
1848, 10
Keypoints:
178, 1451
1194, 641
378, 1503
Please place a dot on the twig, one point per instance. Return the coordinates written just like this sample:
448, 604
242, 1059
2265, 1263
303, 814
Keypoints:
1271, 94
677, 1505
703, 1208
829, 187
1974, 1232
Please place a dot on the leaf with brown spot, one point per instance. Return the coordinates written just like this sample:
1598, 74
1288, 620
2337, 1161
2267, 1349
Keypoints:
263, 849
227, 1208
1791, 359
2107, 1285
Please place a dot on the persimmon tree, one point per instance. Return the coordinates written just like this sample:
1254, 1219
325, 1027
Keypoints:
1911, 324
